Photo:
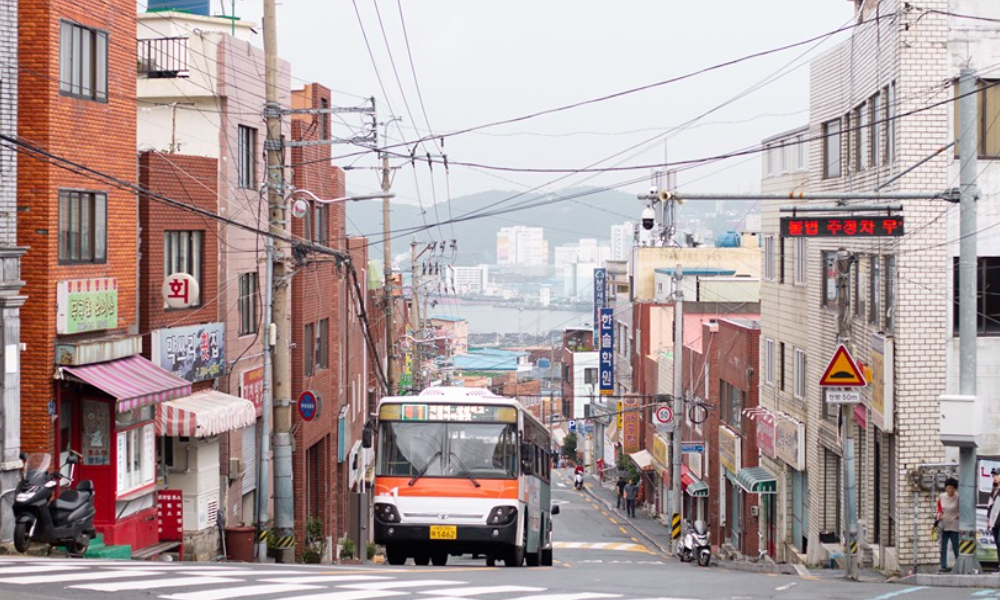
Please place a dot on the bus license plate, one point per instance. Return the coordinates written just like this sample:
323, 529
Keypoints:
444, 532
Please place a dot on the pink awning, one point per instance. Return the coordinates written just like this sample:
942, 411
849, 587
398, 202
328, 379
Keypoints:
204, 414
133, 381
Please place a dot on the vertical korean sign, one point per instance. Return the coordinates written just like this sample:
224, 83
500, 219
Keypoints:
600, 297
607, 351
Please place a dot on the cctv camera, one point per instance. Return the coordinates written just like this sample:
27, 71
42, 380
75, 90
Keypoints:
648, 218
652, 190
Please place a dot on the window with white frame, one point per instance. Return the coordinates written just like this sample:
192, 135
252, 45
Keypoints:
861, 138
831, 149
799, 268
83, 62
799, 366
136, 458
800, 151
890, 126
769, 361
874, 122
246, 157
248, 303
769, 257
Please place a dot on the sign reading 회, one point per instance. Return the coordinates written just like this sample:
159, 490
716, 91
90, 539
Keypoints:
84, 305
180, 290
606, 356
193, 353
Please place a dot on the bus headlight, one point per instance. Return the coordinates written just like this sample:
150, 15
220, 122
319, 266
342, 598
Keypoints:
502, 515
386, 513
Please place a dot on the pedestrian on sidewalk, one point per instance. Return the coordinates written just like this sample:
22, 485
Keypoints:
993, 508
620, 486
631, 490
947, 517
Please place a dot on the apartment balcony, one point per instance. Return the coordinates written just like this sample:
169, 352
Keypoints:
163, 58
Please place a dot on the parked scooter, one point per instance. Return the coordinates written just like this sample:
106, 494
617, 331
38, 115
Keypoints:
578, 481
66, 521
694, 544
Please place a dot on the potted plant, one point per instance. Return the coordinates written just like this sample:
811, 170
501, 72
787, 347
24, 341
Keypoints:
348, 550
315, 542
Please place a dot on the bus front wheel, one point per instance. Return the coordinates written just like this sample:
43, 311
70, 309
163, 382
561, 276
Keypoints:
515, 557
394, 555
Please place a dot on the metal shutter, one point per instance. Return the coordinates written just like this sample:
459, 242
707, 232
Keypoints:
249, 458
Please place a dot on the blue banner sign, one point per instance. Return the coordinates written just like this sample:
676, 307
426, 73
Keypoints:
606, 354
600, 298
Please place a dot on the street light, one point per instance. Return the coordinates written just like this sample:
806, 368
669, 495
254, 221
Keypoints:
300, 207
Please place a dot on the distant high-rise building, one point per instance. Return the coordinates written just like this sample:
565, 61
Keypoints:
463, 280
622, 240
522, 246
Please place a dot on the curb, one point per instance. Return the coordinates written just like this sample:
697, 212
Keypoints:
665, 551
967, 581
752, 567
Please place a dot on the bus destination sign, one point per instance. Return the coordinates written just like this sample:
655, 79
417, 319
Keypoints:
463, 413
841, 227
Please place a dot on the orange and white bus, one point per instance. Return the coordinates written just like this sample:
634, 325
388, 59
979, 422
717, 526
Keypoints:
461, 471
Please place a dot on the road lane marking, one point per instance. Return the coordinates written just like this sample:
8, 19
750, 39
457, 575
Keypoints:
785, 587
623, 530
899, 593
305, 578
612, 519
24, 570
59, 578
149, 584
580, 596
389, 585
600, 546
231, 572
634, 540
241, 592
491, 589
355, 595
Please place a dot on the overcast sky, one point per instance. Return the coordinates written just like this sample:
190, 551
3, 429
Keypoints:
478, 62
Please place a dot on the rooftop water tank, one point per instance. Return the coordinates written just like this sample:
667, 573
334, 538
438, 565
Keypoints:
730, 239
197, 7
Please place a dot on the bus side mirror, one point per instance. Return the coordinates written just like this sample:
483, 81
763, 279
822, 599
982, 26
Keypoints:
527, 459
366, 438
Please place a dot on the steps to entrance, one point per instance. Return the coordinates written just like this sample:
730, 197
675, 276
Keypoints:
98, 549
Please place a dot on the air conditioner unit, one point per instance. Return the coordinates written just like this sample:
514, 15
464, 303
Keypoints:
235, 468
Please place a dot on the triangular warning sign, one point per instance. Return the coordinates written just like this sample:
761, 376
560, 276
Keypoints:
842, 371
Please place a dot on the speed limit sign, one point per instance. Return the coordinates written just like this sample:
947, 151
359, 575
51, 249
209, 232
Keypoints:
664, 415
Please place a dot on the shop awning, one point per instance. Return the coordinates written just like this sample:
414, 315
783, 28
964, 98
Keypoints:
204, 414
133, 381
642, 459
691, 485
757, 480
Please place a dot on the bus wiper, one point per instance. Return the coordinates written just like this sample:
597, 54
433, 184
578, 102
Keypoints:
426, 466
468, 473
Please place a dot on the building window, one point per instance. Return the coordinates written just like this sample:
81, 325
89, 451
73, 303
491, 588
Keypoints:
136, 458
248, 303
800, 152
799, 366
769, 257
831, 149
874, 118
321, 226
801, 264
732, 405
890, 293
874, 288
781, 366
781, 259
987, 296
309, 352
83, 62
323, 344
861, 141
769, 361
890, 126
83, 221
182, 254
770, 159
830, 279
590, 375
246, 159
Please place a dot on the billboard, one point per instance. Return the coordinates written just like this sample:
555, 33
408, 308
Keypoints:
606, 356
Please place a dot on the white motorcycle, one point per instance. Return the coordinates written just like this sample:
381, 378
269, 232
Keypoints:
694, 544
578, 481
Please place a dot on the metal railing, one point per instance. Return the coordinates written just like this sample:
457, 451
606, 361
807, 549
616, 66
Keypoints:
163, 58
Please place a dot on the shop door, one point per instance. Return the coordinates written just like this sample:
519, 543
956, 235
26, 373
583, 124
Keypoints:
736, 517
800, 527
877, 484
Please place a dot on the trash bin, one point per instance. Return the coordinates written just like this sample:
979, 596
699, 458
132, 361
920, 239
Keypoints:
239, 543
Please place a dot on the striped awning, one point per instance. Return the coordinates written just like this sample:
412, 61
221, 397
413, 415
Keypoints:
691, 485
642, 459
757, 480
204, 414
133, 381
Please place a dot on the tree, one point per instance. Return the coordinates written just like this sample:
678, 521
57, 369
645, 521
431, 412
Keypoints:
569, 446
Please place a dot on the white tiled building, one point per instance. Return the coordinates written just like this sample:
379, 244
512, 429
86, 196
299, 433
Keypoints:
879, 104
522, 246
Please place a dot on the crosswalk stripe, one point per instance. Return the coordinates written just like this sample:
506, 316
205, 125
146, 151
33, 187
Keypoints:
149, 584
474, 591
323, 578
355, 595
241, 592
389, 585
63, 577
580, 596
231, 572
26, 569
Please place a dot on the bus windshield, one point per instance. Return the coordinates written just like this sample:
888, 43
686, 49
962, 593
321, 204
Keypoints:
430, 449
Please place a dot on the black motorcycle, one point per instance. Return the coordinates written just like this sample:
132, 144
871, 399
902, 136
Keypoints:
66, 521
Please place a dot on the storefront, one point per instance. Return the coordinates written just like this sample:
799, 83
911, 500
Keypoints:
731, 496
758, 480
106, 414
695, 495
789, 448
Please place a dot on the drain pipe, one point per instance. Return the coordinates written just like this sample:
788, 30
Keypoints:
916, 525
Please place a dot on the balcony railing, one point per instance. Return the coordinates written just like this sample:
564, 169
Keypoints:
163, 58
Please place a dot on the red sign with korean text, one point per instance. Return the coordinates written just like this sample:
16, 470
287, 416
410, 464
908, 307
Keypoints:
252, 388
170, 515
842, 227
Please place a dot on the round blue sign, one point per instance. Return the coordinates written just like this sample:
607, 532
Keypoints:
308, 406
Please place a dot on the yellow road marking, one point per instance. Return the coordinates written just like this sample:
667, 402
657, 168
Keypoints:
634, 540
612, 519
605, 514
623, 530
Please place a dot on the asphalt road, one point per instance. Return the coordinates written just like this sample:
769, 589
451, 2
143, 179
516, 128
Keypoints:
598, 557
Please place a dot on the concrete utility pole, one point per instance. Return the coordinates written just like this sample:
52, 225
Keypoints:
282, 360
417, 326
390, 345
679, 403
968, 147
844, 260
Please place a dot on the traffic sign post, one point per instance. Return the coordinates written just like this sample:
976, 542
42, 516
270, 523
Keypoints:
842, 371
664, 415
692, 447
308, 405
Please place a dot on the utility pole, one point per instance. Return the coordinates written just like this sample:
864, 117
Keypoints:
968, 145
844, 260
417, 326
281, 361
390, 346
678, 404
